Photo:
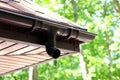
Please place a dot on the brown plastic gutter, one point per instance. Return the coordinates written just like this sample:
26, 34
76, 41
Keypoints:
27, 20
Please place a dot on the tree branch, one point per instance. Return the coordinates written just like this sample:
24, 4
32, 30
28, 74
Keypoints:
109, 53
105, 8
116, 5
74, 5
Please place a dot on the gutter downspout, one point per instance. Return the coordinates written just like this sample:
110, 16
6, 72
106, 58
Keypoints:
51, 43
48, 38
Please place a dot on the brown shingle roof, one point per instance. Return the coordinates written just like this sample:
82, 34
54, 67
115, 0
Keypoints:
27, 7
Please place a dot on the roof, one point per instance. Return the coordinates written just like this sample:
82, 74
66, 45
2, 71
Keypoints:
28, 8
19, 47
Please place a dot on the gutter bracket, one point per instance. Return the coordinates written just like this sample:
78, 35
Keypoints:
35, 25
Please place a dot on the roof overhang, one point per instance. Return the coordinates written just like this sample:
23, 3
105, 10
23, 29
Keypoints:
23, 39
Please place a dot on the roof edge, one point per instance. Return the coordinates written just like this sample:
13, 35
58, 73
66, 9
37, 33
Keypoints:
86, 36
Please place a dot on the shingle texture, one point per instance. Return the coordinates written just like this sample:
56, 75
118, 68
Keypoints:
28, 7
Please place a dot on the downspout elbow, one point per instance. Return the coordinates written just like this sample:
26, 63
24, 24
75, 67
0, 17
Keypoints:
51, 44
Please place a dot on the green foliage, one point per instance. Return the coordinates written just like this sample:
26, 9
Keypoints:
18, 75
62, 71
